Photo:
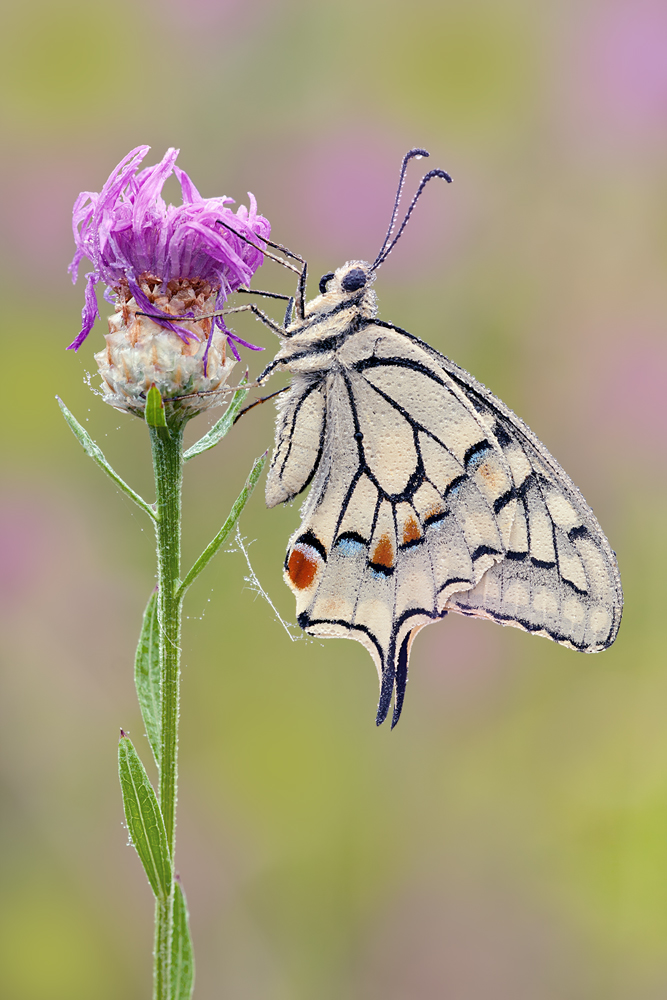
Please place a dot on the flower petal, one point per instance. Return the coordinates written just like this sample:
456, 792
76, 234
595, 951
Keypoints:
149, 190
89, 313
159, 317
189, 191
128, 231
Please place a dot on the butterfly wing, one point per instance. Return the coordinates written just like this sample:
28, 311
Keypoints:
300, 431
429, 495
560, 577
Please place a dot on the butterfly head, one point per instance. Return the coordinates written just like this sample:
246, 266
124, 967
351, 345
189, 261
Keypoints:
347, 280
349, 283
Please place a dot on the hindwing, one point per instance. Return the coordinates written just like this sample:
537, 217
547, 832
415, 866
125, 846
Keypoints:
429, 495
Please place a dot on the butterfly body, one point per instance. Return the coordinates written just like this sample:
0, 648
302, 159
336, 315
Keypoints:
427, 495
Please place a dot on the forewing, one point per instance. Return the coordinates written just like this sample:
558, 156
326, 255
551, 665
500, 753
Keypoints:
300, 430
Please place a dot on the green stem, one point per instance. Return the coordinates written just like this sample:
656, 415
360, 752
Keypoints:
167, 446
164, 917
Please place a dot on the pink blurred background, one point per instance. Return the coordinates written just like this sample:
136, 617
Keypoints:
509, 839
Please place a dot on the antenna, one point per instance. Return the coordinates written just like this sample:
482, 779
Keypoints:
388, 246
401, 181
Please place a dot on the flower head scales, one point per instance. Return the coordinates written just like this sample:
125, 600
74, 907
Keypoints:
129, 233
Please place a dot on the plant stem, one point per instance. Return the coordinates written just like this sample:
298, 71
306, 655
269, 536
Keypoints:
164, 926
167, 446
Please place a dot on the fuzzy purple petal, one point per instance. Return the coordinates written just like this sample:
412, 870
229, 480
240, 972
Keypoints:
148, 202
127, 230
119, 177
189, 191
161, 318
89, 313
244, 343
208, 345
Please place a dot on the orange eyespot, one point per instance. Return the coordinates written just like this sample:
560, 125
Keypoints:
302, 567
411, 531
383, 554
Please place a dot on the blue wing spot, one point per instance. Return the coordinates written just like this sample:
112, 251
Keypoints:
475, 455
350, 543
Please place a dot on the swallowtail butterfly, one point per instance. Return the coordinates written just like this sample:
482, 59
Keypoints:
427, 493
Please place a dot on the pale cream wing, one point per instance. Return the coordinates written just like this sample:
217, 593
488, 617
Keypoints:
300, 429
430, 495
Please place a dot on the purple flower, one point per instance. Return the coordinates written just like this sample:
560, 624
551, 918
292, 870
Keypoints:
137, 242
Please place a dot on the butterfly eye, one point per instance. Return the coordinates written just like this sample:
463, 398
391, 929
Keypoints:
353, 280
324, 280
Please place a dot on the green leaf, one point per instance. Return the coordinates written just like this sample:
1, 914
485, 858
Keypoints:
144, 819
155, 408
182, 957
234, 515
95, 452
218, 431
147, 676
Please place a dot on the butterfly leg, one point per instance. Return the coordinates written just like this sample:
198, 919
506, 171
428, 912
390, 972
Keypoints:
288, 312
267, 295
260, 315
264, 399
303, 274
302, 271
270, 368
180, 319
274, 295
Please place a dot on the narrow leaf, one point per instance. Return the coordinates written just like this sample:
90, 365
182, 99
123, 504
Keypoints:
182, 957
95, 452
144, 819
234, 515
147, 676
219, 429
155, 408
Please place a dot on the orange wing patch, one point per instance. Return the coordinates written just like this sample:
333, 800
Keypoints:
411, 531
302, 566
383, 556
494, 476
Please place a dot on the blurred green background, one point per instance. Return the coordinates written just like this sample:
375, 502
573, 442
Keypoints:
509, 840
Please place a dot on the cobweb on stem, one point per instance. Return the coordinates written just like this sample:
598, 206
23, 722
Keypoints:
257, 588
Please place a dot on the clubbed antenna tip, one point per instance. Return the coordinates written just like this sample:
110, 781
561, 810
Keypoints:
389, 244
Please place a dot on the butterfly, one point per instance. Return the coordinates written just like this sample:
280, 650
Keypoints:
428, 495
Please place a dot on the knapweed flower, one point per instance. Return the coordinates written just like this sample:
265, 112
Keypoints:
166, 261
